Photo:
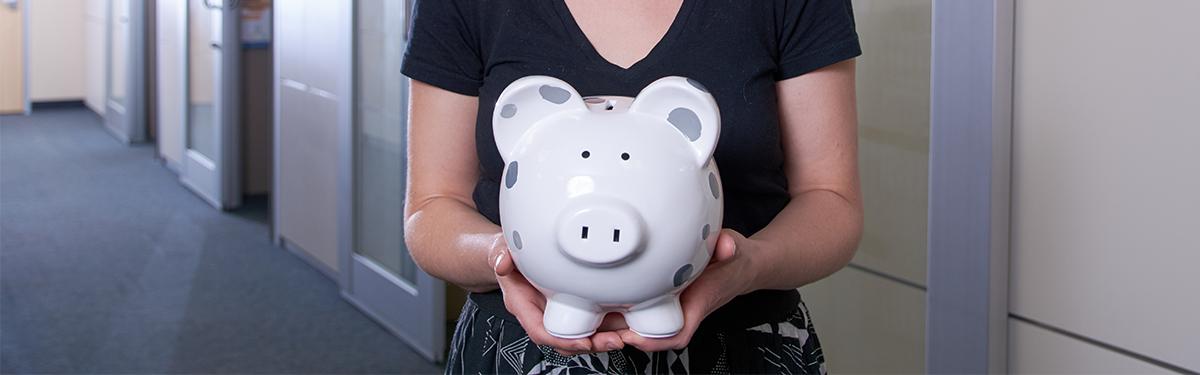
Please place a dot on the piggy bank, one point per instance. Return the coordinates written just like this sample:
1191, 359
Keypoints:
609, 204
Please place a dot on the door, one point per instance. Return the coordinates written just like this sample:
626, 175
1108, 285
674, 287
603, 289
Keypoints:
210, 166
124, 115
383, 278
171, 72
12, 57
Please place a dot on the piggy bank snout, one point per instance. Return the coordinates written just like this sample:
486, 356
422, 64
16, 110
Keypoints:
600, 234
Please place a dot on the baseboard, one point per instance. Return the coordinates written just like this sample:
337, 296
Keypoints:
57, 104
172, 165
311, 260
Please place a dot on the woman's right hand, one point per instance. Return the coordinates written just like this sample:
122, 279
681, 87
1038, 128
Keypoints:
527, 304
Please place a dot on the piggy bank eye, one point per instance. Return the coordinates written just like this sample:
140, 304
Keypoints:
586, 154
624, 156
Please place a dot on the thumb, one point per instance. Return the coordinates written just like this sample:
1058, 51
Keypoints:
501, 261
727, 245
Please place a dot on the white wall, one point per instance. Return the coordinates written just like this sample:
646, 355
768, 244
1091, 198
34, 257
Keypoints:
1106, 184
869, 323
56, 50
309, 49
95, 61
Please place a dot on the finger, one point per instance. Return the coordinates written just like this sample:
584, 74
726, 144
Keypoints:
566, 353
727, 244
576, 346
648, 345
612, 322
502, 262
607, 341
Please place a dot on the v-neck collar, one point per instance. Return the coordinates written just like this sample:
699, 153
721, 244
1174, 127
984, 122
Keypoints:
656, 52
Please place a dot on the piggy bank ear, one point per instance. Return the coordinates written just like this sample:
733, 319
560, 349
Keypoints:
686, 105
527, 101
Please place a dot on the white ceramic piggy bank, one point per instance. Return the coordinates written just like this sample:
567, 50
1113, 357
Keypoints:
609, 204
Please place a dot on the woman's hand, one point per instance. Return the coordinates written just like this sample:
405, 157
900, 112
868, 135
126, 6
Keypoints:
729, 274
527, 304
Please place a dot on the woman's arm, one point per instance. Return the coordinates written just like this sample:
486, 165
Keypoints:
816, 233
444, 231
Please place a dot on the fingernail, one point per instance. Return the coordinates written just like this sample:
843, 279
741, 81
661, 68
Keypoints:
499, 258
612, 346
582, 347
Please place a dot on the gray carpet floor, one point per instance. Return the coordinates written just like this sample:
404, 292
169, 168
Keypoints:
109, 265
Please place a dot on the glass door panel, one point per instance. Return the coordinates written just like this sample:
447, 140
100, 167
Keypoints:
384, 280
201, 80
211, 168
118, 53
380, 116
124, 71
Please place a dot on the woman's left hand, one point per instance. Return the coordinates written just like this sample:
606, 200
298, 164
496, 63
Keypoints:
728, 275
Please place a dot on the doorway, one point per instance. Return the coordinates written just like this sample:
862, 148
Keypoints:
210, 165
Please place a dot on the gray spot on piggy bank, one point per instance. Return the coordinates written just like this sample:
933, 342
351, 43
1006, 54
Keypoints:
511, 178
686, 121
556, 95
683, 274
712, 185
508, 111
516, 239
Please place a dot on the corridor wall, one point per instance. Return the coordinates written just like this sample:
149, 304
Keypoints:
56, 49
1106, 171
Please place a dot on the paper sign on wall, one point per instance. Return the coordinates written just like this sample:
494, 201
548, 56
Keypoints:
256, 23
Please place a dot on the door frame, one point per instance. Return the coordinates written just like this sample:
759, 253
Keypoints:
365, 284
181, 21
129, 124
23, 5
970, 148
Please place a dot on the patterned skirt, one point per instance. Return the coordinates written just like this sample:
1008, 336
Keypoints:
488, 344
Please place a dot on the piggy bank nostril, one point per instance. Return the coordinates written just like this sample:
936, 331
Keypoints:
616, 235
584, 235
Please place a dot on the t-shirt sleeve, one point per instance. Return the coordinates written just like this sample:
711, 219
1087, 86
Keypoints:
814, 34
444, 48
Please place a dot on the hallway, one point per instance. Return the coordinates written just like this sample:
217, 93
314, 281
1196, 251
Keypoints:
109, 265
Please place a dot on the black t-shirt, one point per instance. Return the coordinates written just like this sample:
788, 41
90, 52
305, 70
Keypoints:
737, 48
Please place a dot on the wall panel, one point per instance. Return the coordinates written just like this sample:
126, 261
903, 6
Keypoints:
56, 50
1106, 171
868, 324
1033, 350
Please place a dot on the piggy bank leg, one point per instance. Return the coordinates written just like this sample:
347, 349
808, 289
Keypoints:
656, 319
571, 317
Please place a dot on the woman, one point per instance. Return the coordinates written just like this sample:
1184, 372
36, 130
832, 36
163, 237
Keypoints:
783, 76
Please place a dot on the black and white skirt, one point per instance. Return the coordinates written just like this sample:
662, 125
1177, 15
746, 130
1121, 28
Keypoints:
488, 344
